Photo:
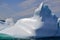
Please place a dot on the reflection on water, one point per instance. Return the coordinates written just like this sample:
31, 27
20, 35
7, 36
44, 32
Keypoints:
8, 37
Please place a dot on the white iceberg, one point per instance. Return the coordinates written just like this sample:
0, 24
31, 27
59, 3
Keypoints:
25, 27
42, 24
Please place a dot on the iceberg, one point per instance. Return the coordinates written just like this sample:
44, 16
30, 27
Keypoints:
42, 24
25, 27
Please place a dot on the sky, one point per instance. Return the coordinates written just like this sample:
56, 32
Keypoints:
25, 8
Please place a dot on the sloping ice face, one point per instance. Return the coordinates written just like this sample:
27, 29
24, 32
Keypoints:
50, 26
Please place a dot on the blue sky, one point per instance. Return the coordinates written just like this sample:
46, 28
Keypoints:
24, 8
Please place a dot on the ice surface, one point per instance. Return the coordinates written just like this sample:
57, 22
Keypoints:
8, 23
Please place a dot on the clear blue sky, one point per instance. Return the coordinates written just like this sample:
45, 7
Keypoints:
24, 8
